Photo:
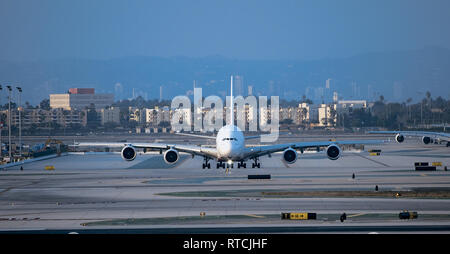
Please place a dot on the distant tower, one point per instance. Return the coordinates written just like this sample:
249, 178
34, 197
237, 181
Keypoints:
356, 92
328, 89
369, 92
328, 83
250, 91
238, 84
118, 91
335, 97
160, 93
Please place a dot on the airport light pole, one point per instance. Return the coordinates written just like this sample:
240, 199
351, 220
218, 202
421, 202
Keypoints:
9, 122
20, 122
1, 128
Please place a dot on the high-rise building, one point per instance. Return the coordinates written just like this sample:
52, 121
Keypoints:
110, 115
80, 98
238, 83
318, 94
327, 92
118, 91
356, 91
328, 84
81, 90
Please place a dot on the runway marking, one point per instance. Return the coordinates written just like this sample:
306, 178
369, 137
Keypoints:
255, 216
355, 215
383, 164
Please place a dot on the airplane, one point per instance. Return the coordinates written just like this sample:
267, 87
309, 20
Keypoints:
427, 137
230, 147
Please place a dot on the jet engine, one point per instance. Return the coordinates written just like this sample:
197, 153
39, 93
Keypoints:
171, 156
399, 138
427, 140
333, 152
290, 156
128, 153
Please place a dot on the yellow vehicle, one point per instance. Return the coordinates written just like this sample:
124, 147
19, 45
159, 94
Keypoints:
49, 167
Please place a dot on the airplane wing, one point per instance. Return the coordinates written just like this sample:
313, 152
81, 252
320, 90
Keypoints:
414, 133
427, 136
265, 135
214, 137
195, 135
191, 149
256, 151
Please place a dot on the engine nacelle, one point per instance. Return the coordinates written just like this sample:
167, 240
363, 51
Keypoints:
399, 138
333, 152
290, 156
171, 156
427, 140
128, 153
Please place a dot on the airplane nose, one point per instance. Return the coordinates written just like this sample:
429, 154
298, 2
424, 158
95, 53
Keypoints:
226, 150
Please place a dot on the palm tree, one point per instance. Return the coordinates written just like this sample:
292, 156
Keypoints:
408, 101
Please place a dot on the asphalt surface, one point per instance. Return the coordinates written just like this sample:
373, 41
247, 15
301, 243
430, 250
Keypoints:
88, 192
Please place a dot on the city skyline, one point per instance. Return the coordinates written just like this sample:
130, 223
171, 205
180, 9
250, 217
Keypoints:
398, 49
396, 75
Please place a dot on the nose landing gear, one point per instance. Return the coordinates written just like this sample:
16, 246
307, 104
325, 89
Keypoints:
221, 164
242, 164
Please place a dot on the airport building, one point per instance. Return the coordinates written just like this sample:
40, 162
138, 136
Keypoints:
32, 118
41, 118
80, 98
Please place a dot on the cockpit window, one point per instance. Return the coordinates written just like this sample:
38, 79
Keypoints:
229, 139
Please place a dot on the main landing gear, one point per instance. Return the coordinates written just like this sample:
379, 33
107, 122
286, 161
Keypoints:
206, 164
240, 164
256, 164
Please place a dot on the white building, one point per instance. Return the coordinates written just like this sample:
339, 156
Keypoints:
110, 115
29, 117
154, 116
345, 106
80, 101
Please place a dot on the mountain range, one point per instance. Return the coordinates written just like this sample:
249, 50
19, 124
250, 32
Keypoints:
397, 75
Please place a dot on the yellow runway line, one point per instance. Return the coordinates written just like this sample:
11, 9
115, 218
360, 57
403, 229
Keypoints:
255, 216
355, 215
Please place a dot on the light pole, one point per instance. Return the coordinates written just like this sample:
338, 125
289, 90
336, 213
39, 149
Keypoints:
20, 123
9, 123
1, 128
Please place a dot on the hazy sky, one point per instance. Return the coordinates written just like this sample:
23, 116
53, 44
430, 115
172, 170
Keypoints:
241, 29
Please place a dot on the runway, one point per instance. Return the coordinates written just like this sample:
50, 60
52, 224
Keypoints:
100, 192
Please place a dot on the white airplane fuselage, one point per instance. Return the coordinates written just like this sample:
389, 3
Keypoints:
230, 143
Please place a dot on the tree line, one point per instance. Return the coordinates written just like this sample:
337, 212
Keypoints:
399, 115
